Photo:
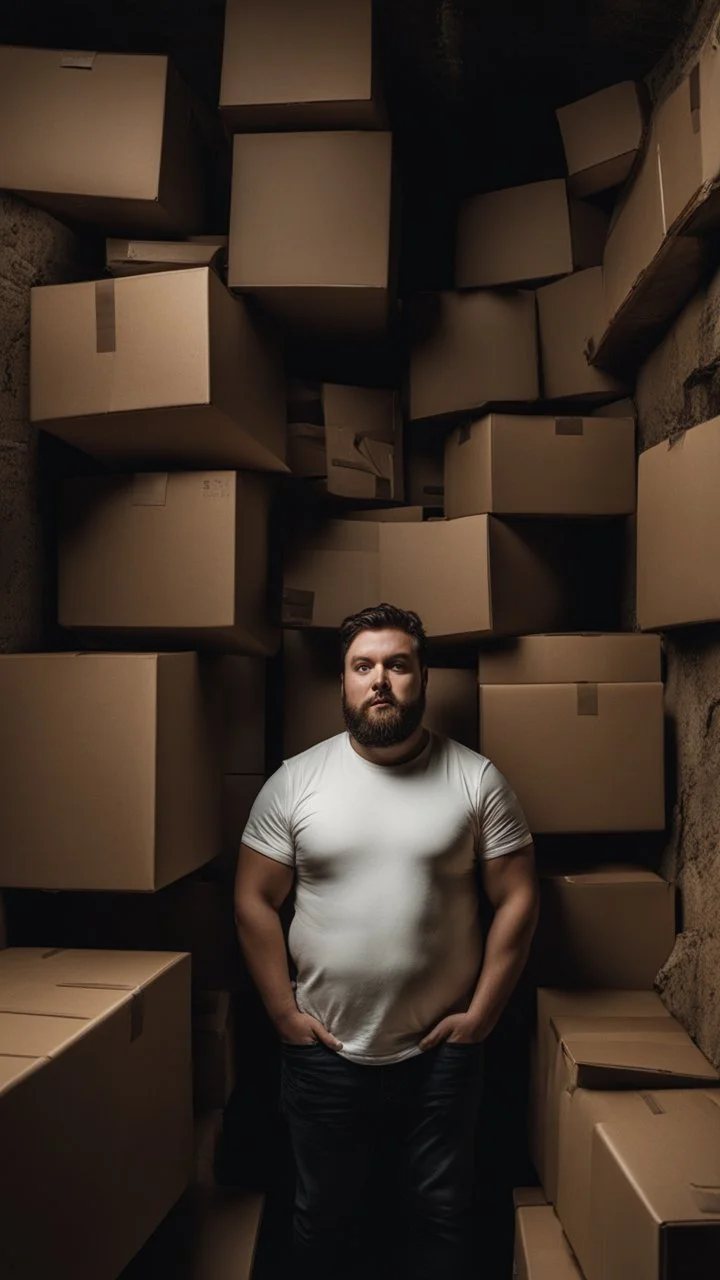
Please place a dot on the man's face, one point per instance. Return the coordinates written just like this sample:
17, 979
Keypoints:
383, 688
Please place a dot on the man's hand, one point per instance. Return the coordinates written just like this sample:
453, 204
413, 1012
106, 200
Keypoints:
295, 1027
457, 1028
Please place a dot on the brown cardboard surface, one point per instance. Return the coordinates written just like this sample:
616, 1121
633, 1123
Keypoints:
579, 768
318, 75
165, 367
105, 1113
384, 514
310, 227
102, 138
688, 136
601, 135
580, 1112
424, 466
637, 231
572, 315
313, 703
624, 408
552, 1003
349, 436
470, 349
214, 1049
541, 1249
514, 236
573, 657
656, 1188
524, 1196
678, 524
588, 933
180, 554
521, 465
136, 257
109, 779
331, 572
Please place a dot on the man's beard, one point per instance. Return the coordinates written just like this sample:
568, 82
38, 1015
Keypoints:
386, 727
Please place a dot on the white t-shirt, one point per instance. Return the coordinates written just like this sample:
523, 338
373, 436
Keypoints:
385, 936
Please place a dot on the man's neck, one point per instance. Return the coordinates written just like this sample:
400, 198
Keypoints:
399, 753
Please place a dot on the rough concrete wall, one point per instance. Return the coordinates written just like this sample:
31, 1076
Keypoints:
34, 249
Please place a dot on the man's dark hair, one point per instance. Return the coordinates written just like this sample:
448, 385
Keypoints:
379, 618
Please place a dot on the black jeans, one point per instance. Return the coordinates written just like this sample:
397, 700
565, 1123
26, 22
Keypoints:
339, 1113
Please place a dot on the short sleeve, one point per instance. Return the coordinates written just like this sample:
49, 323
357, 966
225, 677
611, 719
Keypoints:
268, 828
502, 824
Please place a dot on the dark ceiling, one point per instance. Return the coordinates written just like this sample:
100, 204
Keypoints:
471, 85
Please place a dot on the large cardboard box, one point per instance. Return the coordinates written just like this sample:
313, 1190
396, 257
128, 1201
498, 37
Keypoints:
688, 139
288, 66
470, 349
109, 777
601, 135
637, 232
590, 1005
180, 555
655, 1189
580, 1112
167, 368
467, 578
349, 438
103, 138
511, 465
581, 756
541, 1249
678, 529
95, 1106
574, 656
572, 314
214, 1047
588, 934
313, 702
425, 466
522, 235
612, 1053
311, 229
140, 257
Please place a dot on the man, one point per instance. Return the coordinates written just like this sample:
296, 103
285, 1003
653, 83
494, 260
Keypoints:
384, 827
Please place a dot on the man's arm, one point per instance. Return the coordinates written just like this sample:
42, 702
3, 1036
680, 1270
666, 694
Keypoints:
261, 886
510, 883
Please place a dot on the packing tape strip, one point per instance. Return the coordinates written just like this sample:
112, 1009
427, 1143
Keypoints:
569, 427
148, 489
77, 60
297, 605
587, 699
651, 1101
695, 98
104, 316
707, 1199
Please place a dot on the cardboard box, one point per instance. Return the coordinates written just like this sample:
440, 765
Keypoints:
466, 578
425, 466
311, 229
601, 135
614, 1053
678, 524
313, 700
624, 408
655, 1184
104, 138
511, 465
169, 369
385, 514
580, 1112
581, 756
214, 1049
522, 235
573, 315
524, 1196
182, 555
588, 1005
109, 778
688, 139
471, 349
140, 257
541, 1249
95, 1093
238, 795
350, 437
588, 933
299, 67
577, 657
637, 231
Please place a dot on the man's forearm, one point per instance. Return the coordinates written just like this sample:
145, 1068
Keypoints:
263, 945
506, 951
